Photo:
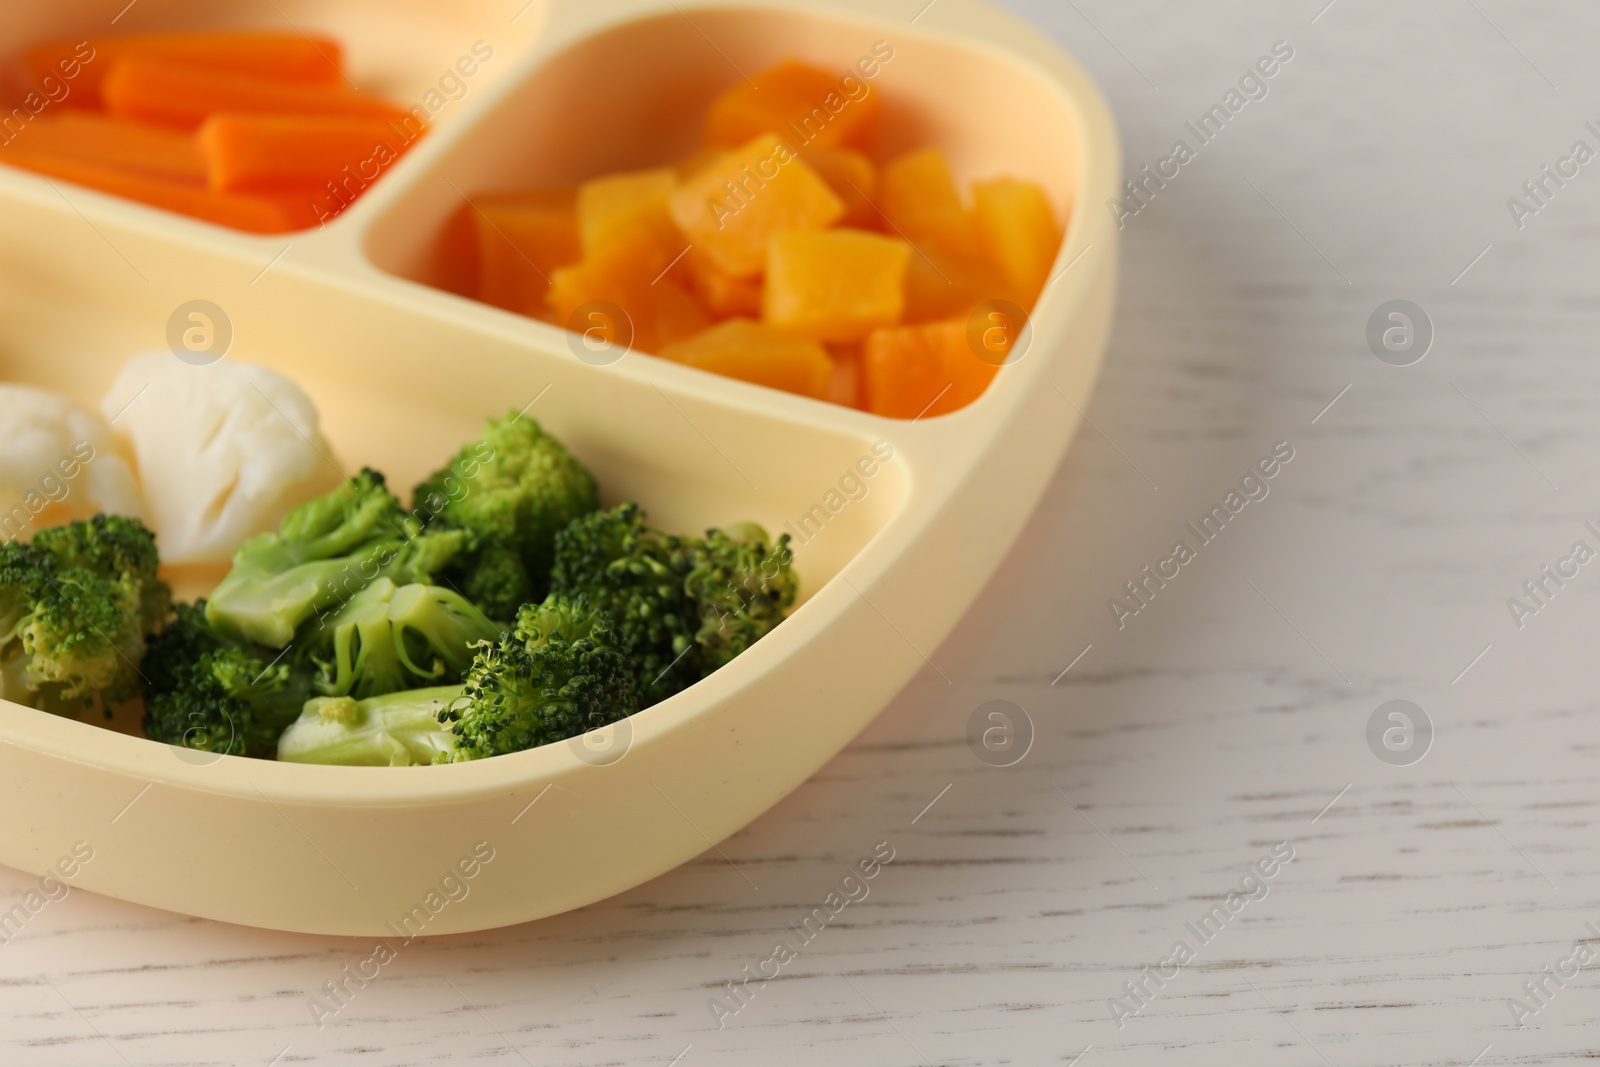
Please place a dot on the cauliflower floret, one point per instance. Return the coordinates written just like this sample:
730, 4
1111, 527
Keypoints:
58, 463
224, 450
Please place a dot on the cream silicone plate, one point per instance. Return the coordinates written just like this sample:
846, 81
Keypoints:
403, 372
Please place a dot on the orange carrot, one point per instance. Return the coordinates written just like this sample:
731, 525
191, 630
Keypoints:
82, 65
249, 213
93, 138
303, 208
255, 151
148, 91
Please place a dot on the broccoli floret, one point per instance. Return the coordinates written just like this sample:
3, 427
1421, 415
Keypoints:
326, 551
558, 674
635, 575
684, 606
74, 609
112, 546
561, 673
81, 636
497, 578
388, 637
20, 582
559, 619
513, 490
743, 584
208, 692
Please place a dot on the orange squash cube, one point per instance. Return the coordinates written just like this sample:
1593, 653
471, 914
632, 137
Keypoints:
837, 285
698, 160
1018, 232
753, 352
929, 370
805, 104
618, 203
853, 179
942, 286
630, 271
919, 198
844, 387
724, 295
522, 238
732, 208
676, 314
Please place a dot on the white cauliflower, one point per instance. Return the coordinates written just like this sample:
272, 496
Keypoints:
58, 462
224, 450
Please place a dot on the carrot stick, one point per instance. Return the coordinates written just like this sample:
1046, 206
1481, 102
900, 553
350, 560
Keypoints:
303, 207
252, 214
256, 151
147, 91
84, 64
89, 137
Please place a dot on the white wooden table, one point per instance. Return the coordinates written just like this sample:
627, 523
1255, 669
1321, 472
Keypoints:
1227, 716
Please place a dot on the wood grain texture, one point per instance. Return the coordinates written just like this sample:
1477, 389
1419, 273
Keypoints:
1226, 717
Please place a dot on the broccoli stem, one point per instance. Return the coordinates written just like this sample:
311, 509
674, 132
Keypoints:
389, 637
393, 730
560, 673
324, 552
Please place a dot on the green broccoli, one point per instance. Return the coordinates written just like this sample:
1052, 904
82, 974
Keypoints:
325, 551
208, 692
560, 673
112, 546
743, 584
74, 608
635, 575
388, 637
513, 491
683, 606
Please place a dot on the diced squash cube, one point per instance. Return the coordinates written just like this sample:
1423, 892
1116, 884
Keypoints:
1018, 232
929, 370
732, 208
677, 314
943, 286
697, 161
837, 285
618, 203
630, 271
753, 352
724, 295
853, 179
522, 239
844, 387
919, 189
919, 197
456, 266
802, 103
